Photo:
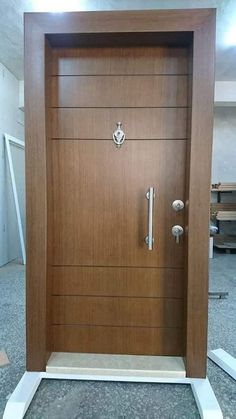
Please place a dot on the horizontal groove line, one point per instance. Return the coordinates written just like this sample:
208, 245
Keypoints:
107, 325
109, 139
123, 75
114, 266
120, 107
115, 296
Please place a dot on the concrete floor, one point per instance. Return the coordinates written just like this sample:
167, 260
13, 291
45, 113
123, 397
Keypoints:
103, 400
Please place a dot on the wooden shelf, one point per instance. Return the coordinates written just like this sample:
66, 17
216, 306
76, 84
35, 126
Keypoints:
223, 187
223, 241
223, 211
226, 215
223, 206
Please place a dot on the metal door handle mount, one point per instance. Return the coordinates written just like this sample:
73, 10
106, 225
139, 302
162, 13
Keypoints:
177, 231
149, 239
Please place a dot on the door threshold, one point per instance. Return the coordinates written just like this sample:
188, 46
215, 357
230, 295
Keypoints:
116, 365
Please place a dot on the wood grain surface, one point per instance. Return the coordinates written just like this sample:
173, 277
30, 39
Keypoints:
119, 91
100, 207
117, 311
105, 281
119, 60
138, 124
117, 340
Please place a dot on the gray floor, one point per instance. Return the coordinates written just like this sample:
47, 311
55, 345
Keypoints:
97, 400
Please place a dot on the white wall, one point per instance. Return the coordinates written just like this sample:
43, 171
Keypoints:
224, 145
11, 122
224, 157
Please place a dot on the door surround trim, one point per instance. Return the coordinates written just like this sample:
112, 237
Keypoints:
39, 27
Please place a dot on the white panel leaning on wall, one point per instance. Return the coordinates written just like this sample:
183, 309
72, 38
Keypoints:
19, 144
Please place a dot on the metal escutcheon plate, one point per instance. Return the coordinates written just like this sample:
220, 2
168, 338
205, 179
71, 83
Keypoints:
118, 135
178, 205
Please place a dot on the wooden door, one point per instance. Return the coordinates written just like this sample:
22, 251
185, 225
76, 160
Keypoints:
79, 82
110, 294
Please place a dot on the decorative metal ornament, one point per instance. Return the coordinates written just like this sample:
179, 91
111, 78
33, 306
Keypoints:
118, 135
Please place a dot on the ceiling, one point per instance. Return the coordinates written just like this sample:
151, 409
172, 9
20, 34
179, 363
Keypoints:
11, 26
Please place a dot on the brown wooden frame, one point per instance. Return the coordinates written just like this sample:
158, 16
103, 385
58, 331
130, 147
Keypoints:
39, 26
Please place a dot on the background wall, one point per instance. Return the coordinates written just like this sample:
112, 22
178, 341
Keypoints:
224, 145
11, 122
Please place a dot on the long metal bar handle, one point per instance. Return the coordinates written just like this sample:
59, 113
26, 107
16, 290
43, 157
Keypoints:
149, 239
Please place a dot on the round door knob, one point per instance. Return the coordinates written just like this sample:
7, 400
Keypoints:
177, 205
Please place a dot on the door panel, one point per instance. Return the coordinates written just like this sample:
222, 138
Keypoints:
117, 311
118, 340
100, 207
122, 281
139, 124
109, 293
138, 60
118, 91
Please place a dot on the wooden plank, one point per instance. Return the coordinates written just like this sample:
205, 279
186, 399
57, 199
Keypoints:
138, 124
223, 206
224, 239
200, 179
119, 91
48, 62
117, 311
36, 198
226, 245
124, 22
118, 60
221, 187
224, 189
223, 211
117, 340
226, 215
136, 282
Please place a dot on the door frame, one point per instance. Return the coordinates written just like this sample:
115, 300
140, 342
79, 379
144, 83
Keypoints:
39, 27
